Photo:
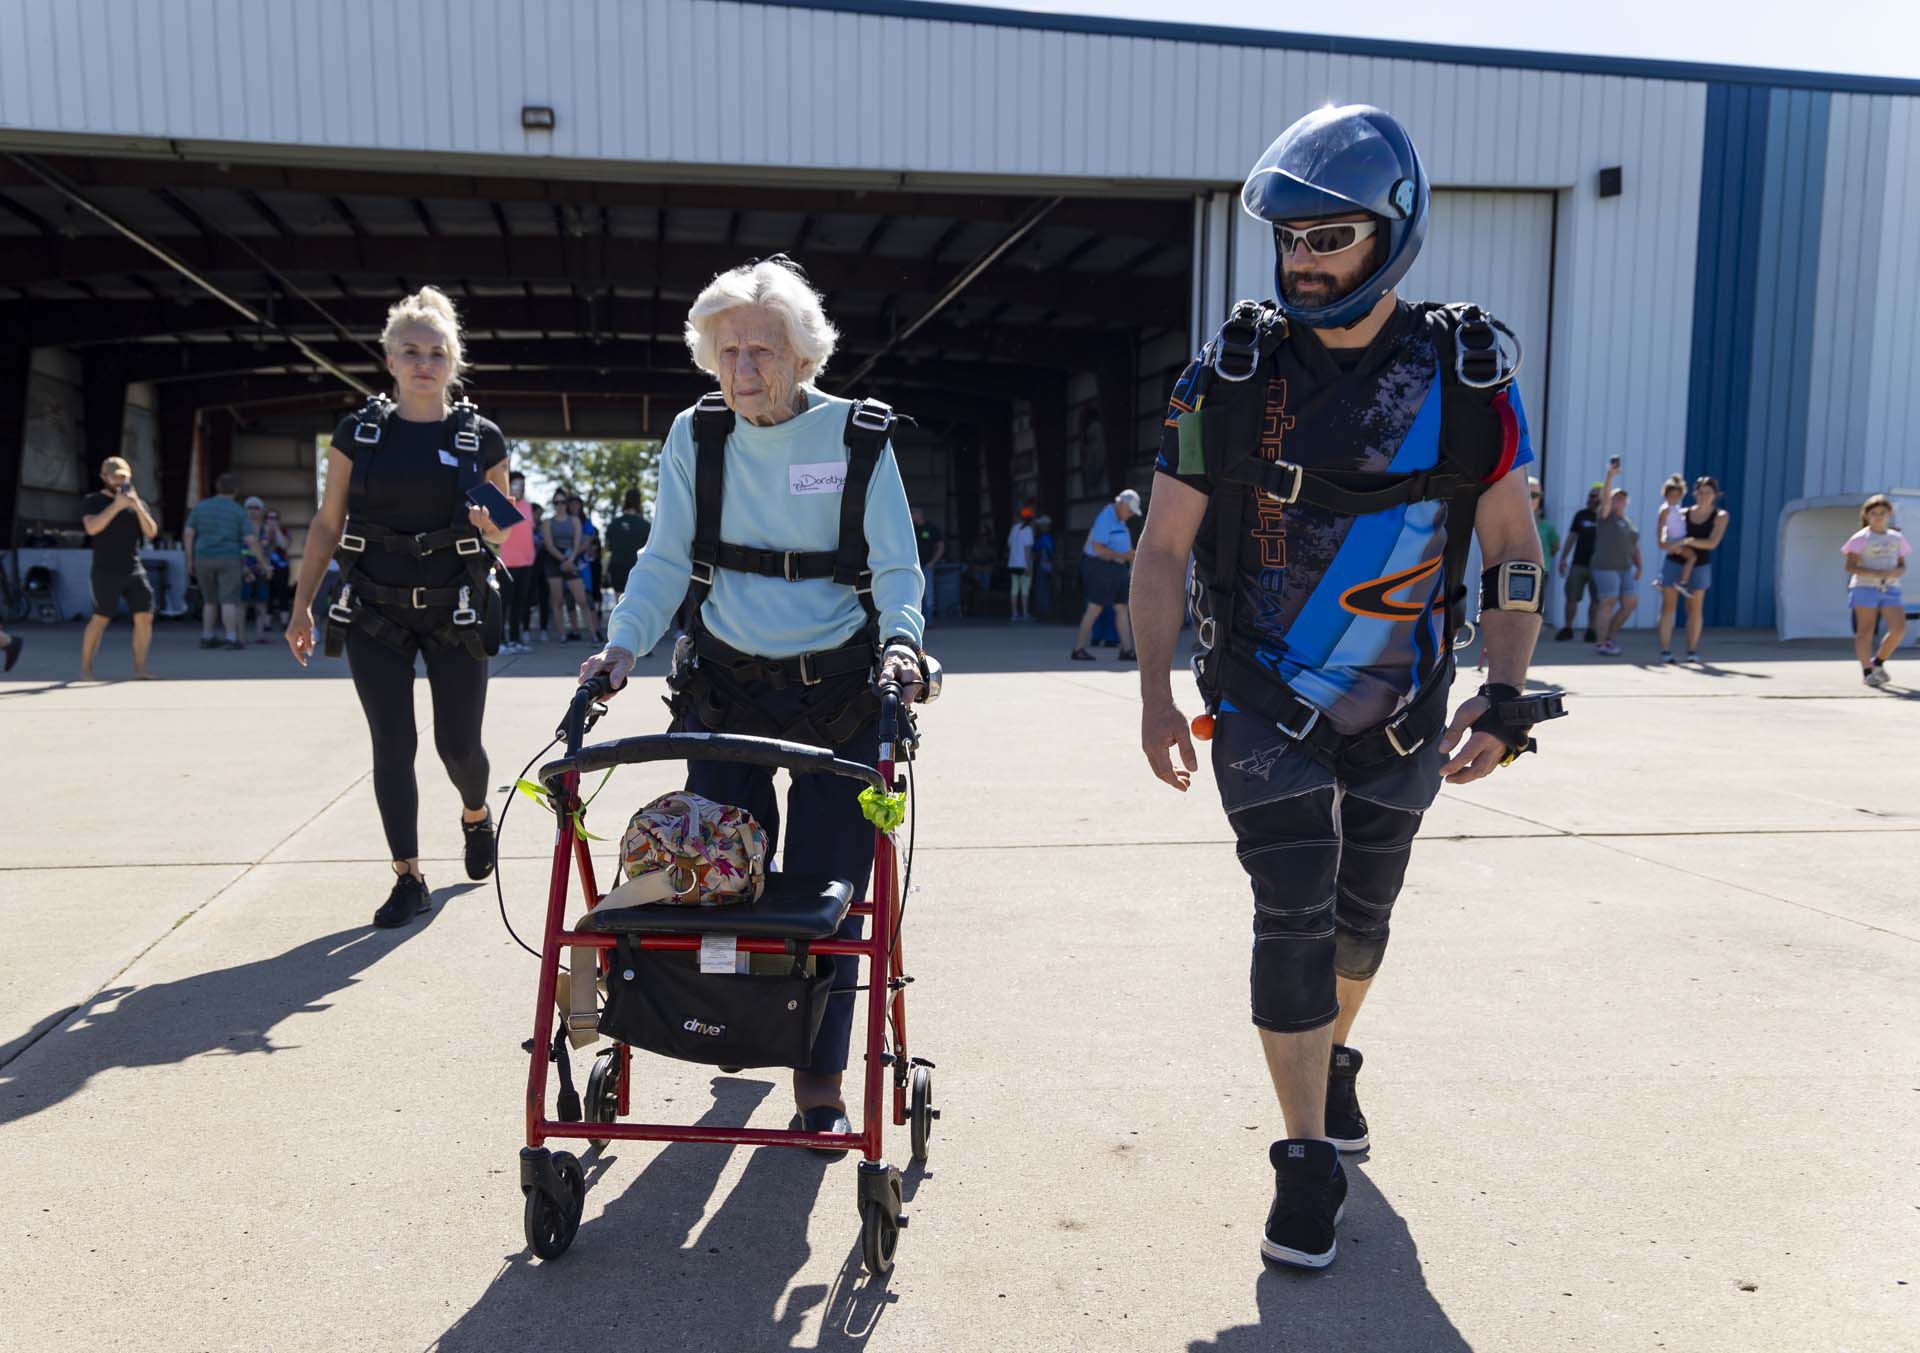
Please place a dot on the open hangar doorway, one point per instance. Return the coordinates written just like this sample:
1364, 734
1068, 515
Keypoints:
1031, 335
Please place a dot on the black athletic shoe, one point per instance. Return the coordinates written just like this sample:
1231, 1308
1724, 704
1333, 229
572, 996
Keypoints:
1081, 655
407, 900
1565, 632
14, 645
1309, 1196
1127, 655
479, 845
1346, 1125
825, 1118
1592, 637
208, 641
234, 646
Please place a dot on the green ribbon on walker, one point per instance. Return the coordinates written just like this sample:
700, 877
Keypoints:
538, 793
885, 811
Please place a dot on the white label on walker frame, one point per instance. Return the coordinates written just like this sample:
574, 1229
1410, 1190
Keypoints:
717, 952
827, 477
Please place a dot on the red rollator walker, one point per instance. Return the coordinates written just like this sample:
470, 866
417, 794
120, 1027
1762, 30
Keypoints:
648, 947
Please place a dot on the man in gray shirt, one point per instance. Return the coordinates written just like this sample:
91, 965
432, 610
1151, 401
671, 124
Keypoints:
1616, 566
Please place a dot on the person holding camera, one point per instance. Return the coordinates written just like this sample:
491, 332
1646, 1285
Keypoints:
403, 477
117, 523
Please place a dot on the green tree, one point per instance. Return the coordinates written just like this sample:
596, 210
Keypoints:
600, 472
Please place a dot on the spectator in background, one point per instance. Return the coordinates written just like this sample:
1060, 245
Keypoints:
1549, 534
517, 553
1616, 566
1019, 563
1705, 524
218, 536
565, 540
1876, 558
1043, 562
10, 644
256, 585
116, 522
1105, 568
592, 578
1578, 571
542, 574
933, 548
1670, 526
280, 559
626, 536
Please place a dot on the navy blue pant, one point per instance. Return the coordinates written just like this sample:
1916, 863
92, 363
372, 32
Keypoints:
826, 834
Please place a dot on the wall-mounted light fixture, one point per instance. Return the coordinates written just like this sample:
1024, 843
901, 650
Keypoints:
1610, 181
534, 118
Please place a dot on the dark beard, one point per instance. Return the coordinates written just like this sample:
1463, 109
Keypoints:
1325, 289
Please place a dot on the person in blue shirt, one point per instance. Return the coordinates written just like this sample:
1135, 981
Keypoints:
778, 654
1105, 564
1326, 619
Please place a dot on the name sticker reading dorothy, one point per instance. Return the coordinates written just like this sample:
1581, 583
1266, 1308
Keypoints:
827, 477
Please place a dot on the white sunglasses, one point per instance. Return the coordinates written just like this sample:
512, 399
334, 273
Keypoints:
1326, 239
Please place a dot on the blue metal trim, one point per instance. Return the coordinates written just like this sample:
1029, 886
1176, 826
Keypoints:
1570, 62
1732, 191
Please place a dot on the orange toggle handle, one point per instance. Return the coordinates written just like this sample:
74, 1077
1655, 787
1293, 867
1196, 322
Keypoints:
1203, 727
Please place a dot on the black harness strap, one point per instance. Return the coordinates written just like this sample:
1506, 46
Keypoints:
712, 425
467, 601
869, 425
1230, 396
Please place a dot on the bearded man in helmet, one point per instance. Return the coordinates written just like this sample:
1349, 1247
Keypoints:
1327, 460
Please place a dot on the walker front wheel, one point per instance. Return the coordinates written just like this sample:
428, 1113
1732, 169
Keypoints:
879, 1237
552, 1217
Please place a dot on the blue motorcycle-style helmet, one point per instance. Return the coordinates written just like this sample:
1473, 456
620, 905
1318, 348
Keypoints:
1332, 162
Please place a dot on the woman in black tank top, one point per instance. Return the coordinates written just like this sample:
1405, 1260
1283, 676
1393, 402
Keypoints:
1706, 526
403, 474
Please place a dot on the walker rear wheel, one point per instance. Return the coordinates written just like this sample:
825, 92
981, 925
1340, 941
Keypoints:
920, 1110
879, 1237
603, 1091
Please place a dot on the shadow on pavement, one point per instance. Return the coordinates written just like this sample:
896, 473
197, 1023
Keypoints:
231, 1010
1373, 1297
646, 1271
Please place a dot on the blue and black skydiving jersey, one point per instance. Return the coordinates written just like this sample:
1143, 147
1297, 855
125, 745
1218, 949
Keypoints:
1348, 611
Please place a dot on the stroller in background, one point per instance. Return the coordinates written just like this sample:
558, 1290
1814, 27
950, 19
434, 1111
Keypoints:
645, 948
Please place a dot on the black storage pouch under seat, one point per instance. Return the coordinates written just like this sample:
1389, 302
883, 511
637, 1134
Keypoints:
660, 1001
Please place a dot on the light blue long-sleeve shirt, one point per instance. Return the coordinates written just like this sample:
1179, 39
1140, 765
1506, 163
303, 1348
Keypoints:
781, 493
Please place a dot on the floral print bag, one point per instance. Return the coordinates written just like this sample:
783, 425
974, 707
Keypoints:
691, 851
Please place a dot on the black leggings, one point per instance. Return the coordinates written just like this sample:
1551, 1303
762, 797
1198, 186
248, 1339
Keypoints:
528, 585
383, 678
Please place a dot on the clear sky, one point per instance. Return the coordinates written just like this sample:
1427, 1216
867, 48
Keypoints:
1859, 37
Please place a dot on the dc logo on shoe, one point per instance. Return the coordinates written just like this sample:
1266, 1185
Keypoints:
1296, 1153
694, 1026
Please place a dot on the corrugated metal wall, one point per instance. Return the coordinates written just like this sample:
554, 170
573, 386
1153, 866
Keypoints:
1892, 448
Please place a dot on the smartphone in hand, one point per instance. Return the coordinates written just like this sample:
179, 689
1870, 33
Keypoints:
496, 504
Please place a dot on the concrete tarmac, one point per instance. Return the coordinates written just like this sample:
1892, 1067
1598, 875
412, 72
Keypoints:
1643, 1065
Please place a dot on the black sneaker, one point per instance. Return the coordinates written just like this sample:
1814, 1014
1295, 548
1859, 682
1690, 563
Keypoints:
1127, 655
1309, 1196
208, 641
1591, 636
1565, 632
1346, 1125
14, 645
1081, 655
407, 900
824, 1118
479, 845
234, 646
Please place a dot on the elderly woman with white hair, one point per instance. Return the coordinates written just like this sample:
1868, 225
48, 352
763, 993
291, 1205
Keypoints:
783, 526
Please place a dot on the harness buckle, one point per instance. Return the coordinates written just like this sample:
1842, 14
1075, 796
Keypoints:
808, 677
352, 543
468, 545
1480, 358
788, 565
1239, 342
1292, 495
1392, 730
467, 440
871, 415
1298, 734
464, 614
704, 579
342, 608
366, 433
